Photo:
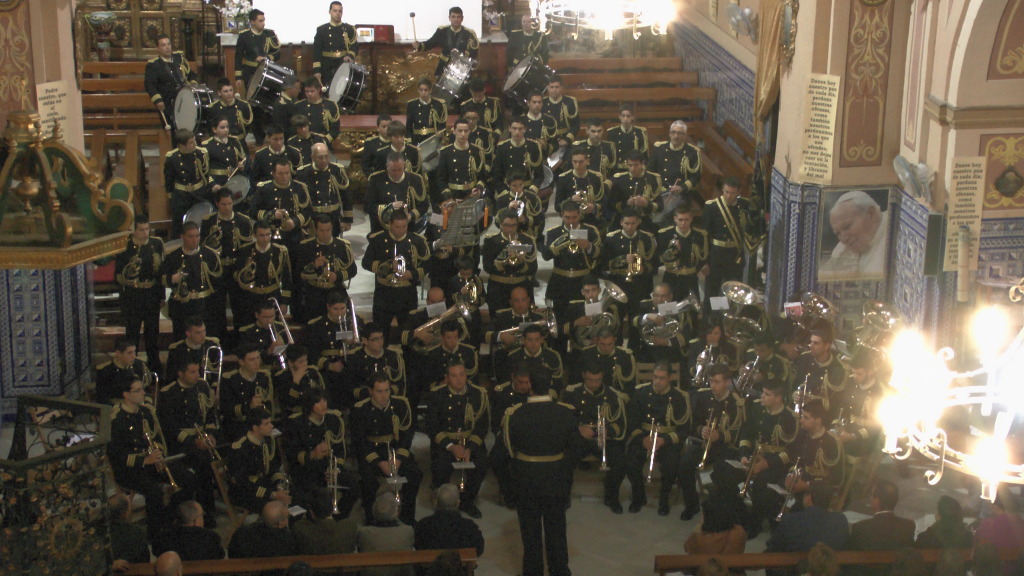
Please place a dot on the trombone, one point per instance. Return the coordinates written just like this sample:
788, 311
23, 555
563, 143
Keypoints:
712, 426
789, 493
287, 333
211, 352
355, 328
602, 439
649, 476
332, 477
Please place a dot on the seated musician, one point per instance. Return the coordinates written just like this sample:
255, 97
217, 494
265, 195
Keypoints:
394, 188
769, 429
396, 137
416, 335
770, 365
313, 437
450, 348
330, 339
164, 76
254, 465
627, 137
244, 390
583, 186
185, 177
542, 361
601, 154
303, 139
111, 375
238, 112
445, 260
295, 379
505, 334
718, 414
627, 256
325, 264
137, 446
656, 409
276, 149
522, 199
268, 332
616, 362
382, 432
595, 401
195, 348
667, 334
374, 358
818, 373
466, 290
709, 349
508, 267
584, 316
856, 406
457, 419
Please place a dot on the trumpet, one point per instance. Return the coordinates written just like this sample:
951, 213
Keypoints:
209, 443
398, 267
649, 475
586, 199
153, 448
802, 392
462, 471
602, 439
789, 493
277, 229
750, 468
712, 426
181, 291
636, 267
332, 477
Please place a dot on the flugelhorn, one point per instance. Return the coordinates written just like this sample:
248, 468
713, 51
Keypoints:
652, 455
712, 427
636, 267
398, 267
152, 447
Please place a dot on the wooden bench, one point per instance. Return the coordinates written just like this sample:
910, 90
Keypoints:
338, 562
114, 97
576, 65
627, 79
741, 139
651, 105
666, 564
721, 153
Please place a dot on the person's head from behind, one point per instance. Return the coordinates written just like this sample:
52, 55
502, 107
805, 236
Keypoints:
821, 561
321, 506
385, 508
447, 563
948, 509
120, 506
446, 497
819, 495
168, 564
275, 514
884, 496
190, 513
712, 567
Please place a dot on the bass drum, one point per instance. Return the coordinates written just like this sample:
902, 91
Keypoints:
192, 106
531, 74
347, 87
266, 84
198, 213
455, 75
430, 151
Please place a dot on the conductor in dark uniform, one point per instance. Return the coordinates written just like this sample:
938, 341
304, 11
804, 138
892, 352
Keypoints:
334, 43
541, 435
165, 75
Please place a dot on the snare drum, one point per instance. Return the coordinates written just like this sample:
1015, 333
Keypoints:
531, 74
456, 74
198, 213
266, 84
192, 106
347, 86
430, 151
239, 186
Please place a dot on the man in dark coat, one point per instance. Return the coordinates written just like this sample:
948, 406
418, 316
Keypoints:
189, 536
446, 529
883, 531
799, 531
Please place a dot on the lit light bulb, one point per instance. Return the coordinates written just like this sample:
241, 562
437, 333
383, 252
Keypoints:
990, 327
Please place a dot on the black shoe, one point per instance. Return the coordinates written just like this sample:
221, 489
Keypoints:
636, 506
471, 510
689, 512
663, 509
614, 505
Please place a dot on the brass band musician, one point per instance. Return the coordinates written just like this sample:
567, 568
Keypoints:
314, 440
330, 338
452, 37
375, 358
395, 256
856, 405
543, 362
323, 114
462, 167
769, 429
584, 186
303, 140
328, 185
268, 331
669, 332
683, 251
392, 189
601, 154
517, 153
190, 271
510, 259
487, 107
194, 347
639, 189
123, 366
576, 249
628, 260
243, 390
628, 137
254, 465
294, 380
225, 232
262, 270
325, 263
276, 149
283, 202
136, 270
524, 201
821, 371
678, 162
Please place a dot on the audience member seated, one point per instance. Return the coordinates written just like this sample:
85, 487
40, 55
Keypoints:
951, 563
883, 531
949, 530
907, 562
128, 543
800, 531
189, 537
447, 563
168, 564
985, 560
821, 561
1004, 528
319, 533
446, 529
386, 533
267, 537
724, 516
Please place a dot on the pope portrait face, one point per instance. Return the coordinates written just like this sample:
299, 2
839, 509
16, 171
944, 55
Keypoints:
855, 226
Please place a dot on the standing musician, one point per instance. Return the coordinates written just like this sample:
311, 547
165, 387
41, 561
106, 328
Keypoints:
515, 195
592, 398
267, 331
330, 340
517, 153
664, 345
238, 112
821, 370
678, 162
819, 451
539, 125
683, 250
136, 271
328, 186
165, 75
382, 425
325, 264
254, 46
282, 203
294, 380
333, 43
584, 186
601, 154
227, 153
448, 38
135, 451
543, 362
617, 364
374, 358
639, 189
508, 266
191, 272
462, 168
225, 232
186, 411
371, 145
457, 419
769, 429
656, 406
323, 114
263, 270
480, 135
628, 259
244, 390
281, 116
728, 225
395, 188
573, 257
120, 369
718, 414
396, 137
525, 42
395, 256
313, 437
425, 115
564, 110
254, 465
276, 150
488, 107
627, 137
303, 139
856, 406
193, 348
185, 177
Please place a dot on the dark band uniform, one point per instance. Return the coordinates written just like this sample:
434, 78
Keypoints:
504, 319
618, 368
612, 405
489, 109
294, 198
682, 256
301, 436
331, 44
254, 467
361, 367
180, 354
505, 277
824, 381
728, 230
676, 348
454, 418
678, 166
282, 112
327, 341
423, 120
394, 300
569, 268
251, 46
566, 113
625, 142
728, 414
532, 220
264, 337
542, 129
614, 250
465, 41
136, 270
381, 191
315, 285
236, 392
525, 43
262, 275
264, 159
181, 411
224, 158
189, 297
437, 358
111, 377
324, 116
671, 414
624, 186
773, 433
459, 170
569, 183
289, 392
186, 181
855, 408
163, 79
225, 237
238, 114
305, 146
526, 157
329, 192
373, 430
546, 364
601, 157
723, 353
379, 161
371, 146
822, 458
503, 398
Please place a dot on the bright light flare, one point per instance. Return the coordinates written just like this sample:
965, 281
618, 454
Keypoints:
990, 329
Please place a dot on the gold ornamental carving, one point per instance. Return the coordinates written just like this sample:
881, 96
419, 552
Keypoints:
867, 74
7, 5
15, 57
1007, 60
1004, 157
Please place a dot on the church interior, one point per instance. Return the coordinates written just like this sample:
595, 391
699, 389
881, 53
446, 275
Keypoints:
912, 110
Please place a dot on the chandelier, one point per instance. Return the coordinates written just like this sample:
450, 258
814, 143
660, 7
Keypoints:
577, 15
960, 420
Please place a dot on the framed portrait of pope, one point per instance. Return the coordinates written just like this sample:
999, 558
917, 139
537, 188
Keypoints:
854, 235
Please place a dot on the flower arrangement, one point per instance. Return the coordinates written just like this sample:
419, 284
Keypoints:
236, 14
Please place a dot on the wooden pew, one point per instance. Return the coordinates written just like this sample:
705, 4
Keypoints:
731, 162
338, 562
666, 564
114, 97
745, 143
627, 79
565, 65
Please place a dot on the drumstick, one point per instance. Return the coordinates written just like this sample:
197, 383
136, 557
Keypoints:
412, 16
167, 125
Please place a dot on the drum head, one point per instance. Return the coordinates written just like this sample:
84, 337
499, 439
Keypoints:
239, 186
517, 73
429, 151
199, 212
256, 80
186, 109
549, 178
556, 157
339, 84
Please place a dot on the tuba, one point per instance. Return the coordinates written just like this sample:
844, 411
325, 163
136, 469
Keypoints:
433, 326
672, 325
582, 335
549, 322
880, 321
398, 267
742, 323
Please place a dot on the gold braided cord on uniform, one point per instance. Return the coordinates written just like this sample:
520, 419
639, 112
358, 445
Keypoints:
336, 437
